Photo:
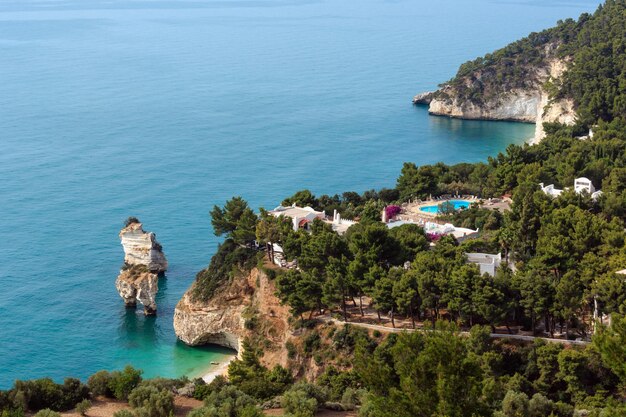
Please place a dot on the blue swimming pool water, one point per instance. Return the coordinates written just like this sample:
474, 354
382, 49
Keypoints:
458, 204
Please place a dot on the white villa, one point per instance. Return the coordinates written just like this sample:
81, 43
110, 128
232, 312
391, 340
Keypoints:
300, 217
485, 261
581, 185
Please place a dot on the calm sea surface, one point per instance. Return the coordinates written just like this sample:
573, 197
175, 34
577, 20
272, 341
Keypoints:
161, 109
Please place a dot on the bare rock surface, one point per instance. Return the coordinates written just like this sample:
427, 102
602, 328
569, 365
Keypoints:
531, 104
221, 320
142, 248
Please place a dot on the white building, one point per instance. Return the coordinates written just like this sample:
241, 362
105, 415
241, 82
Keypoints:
581, 185
550, 190
338, 224
485, 261
300, 217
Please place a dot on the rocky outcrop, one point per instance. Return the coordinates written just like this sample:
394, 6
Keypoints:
142, 248
217, 321
221, 320
143, 261
530, 104
138, 284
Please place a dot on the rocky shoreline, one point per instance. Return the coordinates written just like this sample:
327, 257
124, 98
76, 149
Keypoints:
529, 105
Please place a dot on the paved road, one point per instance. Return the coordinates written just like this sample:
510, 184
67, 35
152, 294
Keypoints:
493, 335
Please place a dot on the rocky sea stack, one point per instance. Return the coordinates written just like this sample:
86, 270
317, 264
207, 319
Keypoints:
143, 262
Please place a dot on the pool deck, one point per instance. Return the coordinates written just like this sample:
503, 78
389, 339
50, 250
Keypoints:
411, 210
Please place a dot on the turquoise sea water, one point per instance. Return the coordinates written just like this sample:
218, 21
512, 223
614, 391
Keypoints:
457, 204
162, 108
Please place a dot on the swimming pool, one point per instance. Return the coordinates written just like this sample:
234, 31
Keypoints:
458, 204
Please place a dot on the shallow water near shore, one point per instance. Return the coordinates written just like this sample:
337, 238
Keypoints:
161, 109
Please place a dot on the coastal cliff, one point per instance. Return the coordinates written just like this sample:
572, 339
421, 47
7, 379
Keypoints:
143, 262
517, 83
243, 307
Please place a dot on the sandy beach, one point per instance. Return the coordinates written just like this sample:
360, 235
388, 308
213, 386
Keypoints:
220, 369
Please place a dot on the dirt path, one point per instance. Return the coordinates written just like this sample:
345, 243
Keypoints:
386, 329
103, 407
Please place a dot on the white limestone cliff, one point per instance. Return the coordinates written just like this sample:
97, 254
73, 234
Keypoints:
221, 320
142, 248
530, 105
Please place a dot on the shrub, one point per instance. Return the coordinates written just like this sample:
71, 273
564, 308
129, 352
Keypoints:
149, 401
515, 404
11, 412
311, 342
165, 383
74, 392
337, 382
229, 400
44, 393
123, 413
346, 338
350, 399
123, 382
299, 401
131, 220
99, 383
46, 412
203, 389
392, 211
229, 259
291, 349
83, 406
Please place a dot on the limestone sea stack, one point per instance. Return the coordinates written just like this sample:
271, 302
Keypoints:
143, 262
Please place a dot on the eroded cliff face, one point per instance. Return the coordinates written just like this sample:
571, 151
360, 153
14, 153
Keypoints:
530, 104
222, 319
143, 261
142, 248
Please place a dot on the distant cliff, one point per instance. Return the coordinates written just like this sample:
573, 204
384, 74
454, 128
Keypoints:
143, 261
517, 83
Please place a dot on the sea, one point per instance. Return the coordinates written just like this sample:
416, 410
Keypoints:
162, 109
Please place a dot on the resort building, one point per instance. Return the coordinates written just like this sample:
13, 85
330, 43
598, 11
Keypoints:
301, 217
486, 262
550, 190
338, 224
581, 185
